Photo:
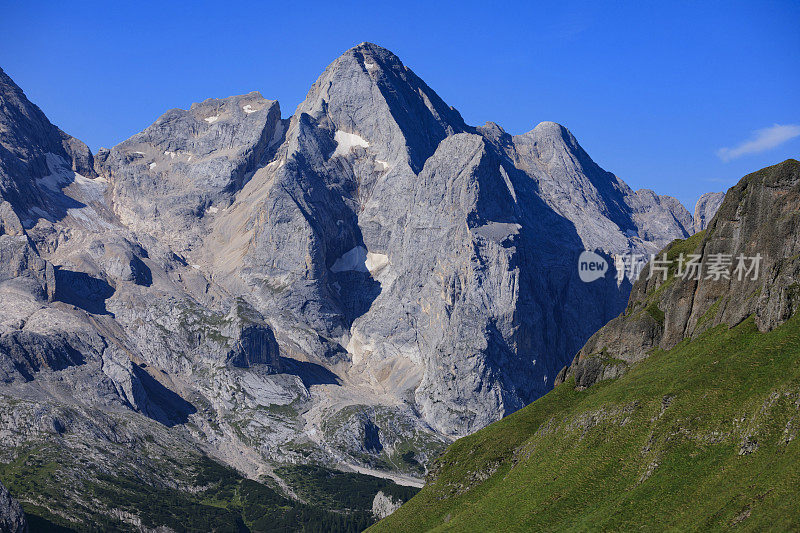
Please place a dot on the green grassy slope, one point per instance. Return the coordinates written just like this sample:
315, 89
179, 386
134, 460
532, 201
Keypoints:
701, 437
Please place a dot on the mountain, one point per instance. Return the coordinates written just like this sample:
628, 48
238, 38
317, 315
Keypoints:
331, 238
706, 208
349, 288
681, 413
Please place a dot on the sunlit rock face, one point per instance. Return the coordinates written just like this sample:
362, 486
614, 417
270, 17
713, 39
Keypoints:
706, 208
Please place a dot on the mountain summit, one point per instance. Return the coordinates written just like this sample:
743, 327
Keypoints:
368, 90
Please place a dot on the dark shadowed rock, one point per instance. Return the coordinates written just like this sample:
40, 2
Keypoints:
12, 519
257, 346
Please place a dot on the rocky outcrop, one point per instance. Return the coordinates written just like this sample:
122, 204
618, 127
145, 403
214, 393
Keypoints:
21, 267
257, 346
757, 219
706, 208
12, 519
383, 505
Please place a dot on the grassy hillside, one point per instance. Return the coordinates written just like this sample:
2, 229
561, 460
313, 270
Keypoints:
700, 437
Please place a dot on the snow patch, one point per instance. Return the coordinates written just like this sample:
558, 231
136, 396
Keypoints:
152, 165
249, 109
353, 260
64, 187
88, 217
497, 231
170, 154
60, 174
347, 141
196, 267
212, 210
360, 260
211, 120
376, 262
91, 190
370, 66
384, 164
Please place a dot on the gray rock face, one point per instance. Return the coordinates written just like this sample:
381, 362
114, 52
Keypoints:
369, 275
658, 215
27, 140
706, 208
757, 217
170, 179
396, 232
12, 519
606, 213
20, 264
383, 505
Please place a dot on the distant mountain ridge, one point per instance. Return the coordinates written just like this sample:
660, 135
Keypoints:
353, 286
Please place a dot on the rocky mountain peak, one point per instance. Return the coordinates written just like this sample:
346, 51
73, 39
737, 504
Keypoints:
608, 215
554, 147
369, 92
369, 273
174, 176
22, 124
553, 131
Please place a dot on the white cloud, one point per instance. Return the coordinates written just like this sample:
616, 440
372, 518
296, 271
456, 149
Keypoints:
761, 141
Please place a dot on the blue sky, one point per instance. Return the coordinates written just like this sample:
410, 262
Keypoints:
682, 98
